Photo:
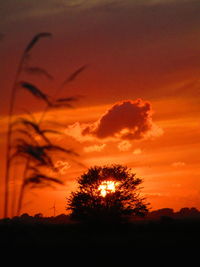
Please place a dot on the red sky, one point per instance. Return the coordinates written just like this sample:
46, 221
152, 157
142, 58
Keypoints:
148, 50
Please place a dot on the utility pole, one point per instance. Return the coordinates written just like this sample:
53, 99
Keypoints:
54, 209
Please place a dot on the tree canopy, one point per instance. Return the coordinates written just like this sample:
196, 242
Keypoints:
108, 193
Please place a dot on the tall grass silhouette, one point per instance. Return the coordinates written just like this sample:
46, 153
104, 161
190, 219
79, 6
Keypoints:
35, 152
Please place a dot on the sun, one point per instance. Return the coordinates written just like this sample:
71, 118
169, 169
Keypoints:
107, 187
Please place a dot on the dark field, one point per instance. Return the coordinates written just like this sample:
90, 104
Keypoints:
165, 233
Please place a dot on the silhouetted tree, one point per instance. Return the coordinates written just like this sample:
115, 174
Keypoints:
95, 201
166, 212
38, 215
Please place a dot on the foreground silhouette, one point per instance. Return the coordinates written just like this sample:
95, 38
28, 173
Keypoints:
28, 141
108, 193
161, 233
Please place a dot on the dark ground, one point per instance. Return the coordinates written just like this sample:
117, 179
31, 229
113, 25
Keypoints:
163, 236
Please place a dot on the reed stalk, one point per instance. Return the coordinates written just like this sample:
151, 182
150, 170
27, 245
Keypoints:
9, 135
55, 103
10, 118
22, 188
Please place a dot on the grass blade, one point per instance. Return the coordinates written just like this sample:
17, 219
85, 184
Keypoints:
40, 179
35, 91
39, 71
35, 39
74, 75
66, 99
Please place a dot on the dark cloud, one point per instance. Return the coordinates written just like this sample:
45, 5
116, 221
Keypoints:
126, 120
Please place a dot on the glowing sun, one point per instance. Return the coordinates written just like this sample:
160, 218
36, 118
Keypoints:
107, 187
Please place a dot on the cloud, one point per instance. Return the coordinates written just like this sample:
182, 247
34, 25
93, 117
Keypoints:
62, 166
178, 164
124, 145
137, 151
75, 130
127, 120
94, 148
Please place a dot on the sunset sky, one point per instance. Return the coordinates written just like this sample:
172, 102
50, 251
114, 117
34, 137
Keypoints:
140, 91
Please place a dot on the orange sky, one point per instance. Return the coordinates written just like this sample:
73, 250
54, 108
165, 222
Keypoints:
147, 50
